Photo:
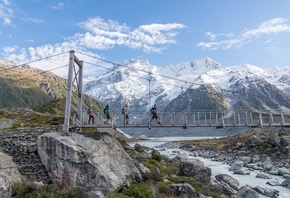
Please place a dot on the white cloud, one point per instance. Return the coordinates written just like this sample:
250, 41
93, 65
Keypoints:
107, 34
6, 13
99, 35
271, 27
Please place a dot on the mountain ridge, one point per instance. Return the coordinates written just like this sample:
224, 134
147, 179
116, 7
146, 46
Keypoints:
141, 84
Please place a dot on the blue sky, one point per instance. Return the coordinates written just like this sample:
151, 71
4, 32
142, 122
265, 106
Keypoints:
163, 31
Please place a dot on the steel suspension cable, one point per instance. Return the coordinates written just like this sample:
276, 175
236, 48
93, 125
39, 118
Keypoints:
33, 61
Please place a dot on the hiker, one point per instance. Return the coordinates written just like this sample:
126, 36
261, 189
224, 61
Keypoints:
125, 112
91, 115
107, 114
153, 111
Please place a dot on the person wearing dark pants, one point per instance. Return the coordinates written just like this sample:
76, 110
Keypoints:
107, 114
91, 115
153, 112
126, 115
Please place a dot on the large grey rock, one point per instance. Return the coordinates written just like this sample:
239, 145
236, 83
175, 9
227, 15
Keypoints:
6, 123
285, 140
99, 164
286, 183
245, 159
237, 165
267, 164
183, 190
5, 186
264, 176
9, 168
228, 179
283, 171
247, 192
267, 191
228, 183
194, 168
286, 151
254, 141
274, 140
188, 147
242, 171
273, 183
256, 158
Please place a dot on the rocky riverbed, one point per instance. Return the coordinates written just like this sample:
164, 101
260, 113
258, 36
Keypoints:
266, 151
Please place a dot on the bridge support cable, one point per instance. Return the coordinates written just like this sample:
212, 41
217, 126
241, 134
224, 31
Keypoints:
261, 120
74, 76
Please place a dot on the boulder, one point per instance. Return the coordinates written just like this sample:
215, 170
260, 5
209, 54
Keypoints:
245, 159
273, 183
9, 168
99, 164
263, 176
274, 140
237, 165
254, 141
268, 192
232, 182
188, 147
194, 168
285, 140
247, 192
256, 158
286, 151
283, 171
183, 190
142, 169
267, 164
5, 186
286, 183
242, 171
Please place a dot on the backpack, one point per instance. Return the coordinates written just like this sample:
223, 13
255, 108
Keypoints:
123, 111
152, 110
88, 111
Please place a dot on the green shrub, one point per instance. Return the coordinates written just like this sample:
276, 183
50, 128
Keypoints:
169, 169
281, 133
137, 191
156, 157
30, 190
15, 125
163, 188
154, 163
122, 142
148, 165
120, 195
138, 148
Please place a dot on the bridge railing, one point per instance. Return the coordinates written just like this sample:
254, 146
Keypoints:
194, 118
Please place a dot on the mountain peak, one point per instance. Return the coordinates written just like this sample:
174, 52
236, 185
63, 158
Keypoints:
138, 61
206, 62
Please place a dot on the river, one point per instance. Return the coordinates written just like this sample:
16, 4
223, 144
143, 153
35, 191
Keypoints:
216, 167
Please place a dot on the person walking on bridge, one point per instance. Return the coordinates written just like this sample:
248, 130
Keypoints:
107, 114
153, 112
91, 115
125, 112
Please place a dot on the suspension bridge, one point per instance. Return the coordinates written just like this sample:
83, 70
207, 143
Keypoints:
168, 119
218, 119
76, 115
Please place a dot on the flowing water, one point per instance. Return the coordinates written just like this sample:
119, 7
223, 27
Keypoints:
216, 167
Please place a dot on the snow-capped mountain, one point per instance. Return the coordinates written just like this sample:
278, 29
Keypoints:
199, 85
